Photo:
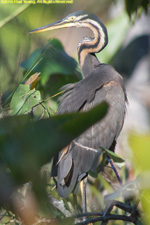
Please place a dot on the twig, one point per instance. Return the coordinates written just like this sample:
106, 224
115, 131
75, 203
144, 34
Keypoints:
135, 211
107, 218
126, 207
89, 214
107, 211
60, 205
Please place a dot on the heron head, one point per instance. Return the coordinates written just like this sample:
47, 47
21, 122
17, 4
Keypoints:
76, 19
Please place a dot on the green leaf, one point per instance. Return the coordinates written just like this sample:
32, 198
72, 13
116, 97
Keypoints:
27, 146
9, 124
15, 10
102, 163
145, 199
112, 155
24, 99
134, 5
52, 59
140, 146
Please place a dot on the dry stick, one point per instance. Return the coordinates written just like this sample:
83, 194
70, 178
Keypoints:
89, 214
120, 205
135, 210
107, 218
127, 208
123, 206
107, 211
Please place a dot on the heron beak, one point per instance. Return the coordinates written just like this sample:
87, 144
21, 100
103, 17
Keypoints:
53, 26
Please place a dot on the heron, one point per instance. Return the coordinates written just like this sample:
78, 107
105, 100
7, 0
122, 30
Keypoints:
101, 82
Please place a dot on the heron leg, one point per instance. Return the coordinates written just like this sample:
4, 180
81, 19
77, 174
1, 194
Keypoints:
114, 169
83, 196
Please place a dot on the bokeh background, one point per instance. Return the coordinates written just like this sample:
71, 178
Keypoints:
128, 50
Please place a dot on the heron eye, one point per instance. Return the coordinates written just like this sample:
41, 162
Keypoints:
72, 18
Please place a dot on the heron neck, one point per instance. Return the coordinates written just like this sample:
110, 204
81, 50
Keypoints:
90, 63
91, 45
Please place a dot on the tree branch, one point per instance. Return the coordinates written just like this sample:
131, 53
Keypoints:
107, 218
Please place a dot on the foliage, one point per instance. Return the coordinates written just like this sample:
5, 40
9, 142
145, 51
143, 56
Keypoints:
27, 144
140, 145
113, 46
134, 6
54, 64
29, 139
30, 134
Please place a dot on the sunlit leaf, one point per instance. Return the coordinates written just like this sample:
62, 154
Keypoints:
112, 155
14, 13
145, 198
32, 81
24, 99
140, 145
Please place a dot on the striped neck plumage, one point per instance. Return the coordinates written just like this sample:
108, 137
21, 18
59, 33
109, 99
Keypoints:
89, 45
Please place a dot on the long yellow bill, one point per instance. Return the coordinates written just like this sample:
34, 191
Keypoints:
53, 26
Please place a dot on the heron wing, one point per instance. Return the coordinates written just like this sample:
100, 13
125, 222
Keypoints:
83, 155
76, 95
